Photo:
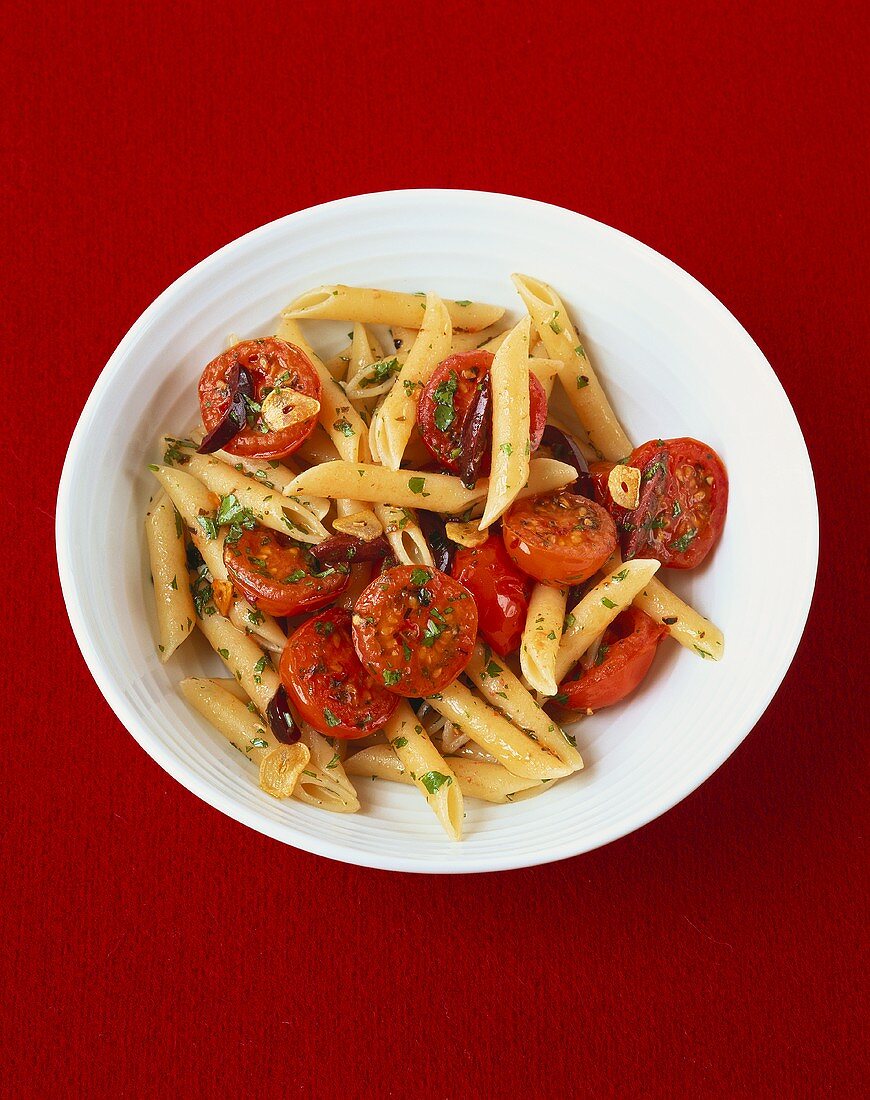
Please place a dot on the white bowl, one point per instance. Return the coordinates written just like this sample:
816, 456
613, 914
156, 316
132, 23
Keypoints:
675, 363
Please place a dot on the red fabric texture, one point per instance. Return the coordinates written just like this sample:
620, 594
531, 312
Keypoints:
151, 946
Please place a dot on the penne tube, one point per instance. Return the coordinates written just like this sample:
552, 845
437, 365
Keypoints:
326, 761
318, 447
472, 341
401, 488
546, 372
599, 607
337, 416
684, 623
244, 658
271, 474
403, 533
428, 769
280, 766
418, 489
262, 627
384, 307
397, 415
498, 685
577, 376
472, 751
480, 779
268, 506
514, 749
193, 501
339, 365
509, 379
164, 529
541, 637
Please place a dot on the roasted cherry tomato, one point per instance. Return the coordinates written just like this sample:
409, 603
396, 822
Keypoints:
501, 592
559, 538
623, 659
270, 362
280, 576
683, 501
414, 629
324, 679
447, 398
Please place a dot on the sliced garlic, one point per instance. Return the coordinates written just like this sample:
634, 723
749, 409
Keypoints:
363, 525
284, 407
396, 519
466, 534
623, 484
281, 768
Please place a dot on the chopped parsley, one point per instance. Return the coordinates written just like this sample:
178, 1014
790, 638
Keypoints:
399, 743
506, 449
608, 603
391, 677
492, 669
554, 324
419, 577
325, 628
225, 653
331, 720
682, 543
582, 381
445, 413
434, 781
379, 372
259, 669
417, 484
344, 426
464, 302
208, 526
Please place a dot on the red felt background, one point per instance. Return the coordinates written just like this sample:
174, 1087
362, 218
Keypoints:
153, 946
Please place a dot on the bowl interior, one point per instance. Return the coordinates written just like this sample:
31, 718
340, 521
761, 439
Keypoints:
674, 361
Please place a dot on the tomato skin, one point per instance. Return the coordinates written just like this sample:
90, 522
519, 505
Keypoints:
265, 360
414, 629
559, 538
674, 472
259, 563
629, 646
468, 368
501, 592
326, 681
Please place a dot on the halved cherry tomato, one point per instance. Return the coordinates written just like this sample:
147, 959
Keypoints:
683, 501
270, 363
559, 538
414, 629
325, 680
623, 659
446, 400
278, 575
501, 592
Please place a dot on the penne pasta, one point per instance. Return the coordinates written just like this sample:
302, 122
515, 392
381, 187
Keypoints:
428, 769
546, 372
599, 607
509, 379
267, 506
327, 768
479, 779
337, 415
280, 766
262, 627
541, 637
580, 381
194, 502
246, 660
684, 624
403, 533
418, 489
384, 307
472, 341
394, 420
511, 747
271, 474
318, 447
164, 528
498, 685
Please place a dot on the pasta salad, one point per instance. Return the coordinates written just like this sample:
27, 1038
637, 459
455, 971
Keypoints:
420, 557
